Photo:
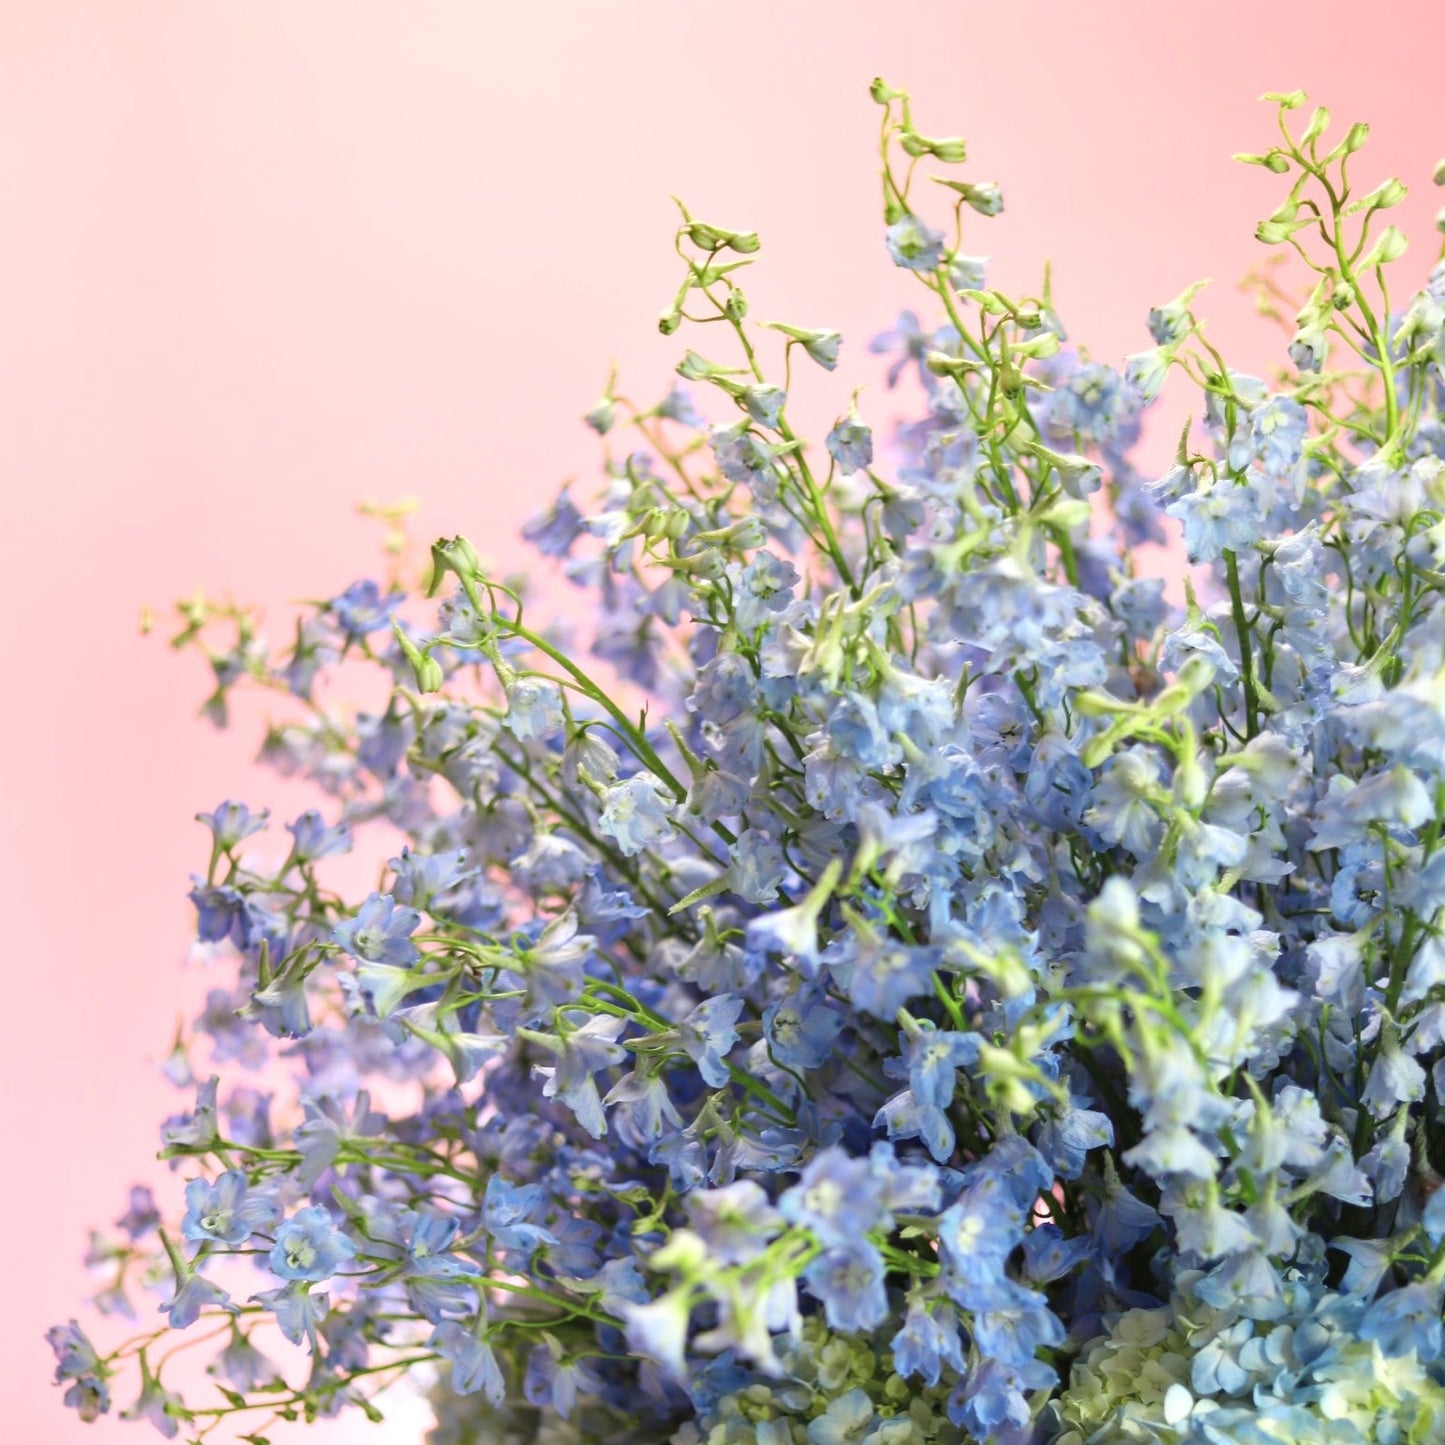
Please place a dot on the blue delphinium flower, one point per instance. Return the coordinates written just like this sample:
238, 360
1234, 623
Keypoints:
534, 708
362, 609
838, 1198
914, 244
76, 1361
764, 403
555, 1383
510, 1212
163, 1408
142, 1214
218, 910
636, 814
744, 458
554, 532
1222, 515
474, 1364
887, 975
243, 1366
928, 1342
850, 444
657, 1329
227, 1212
309, 1246
231, 822
421, 878
849, 1279
315, 839
436, 1280
193, 1294
380, 932
708, 1034
581, 1054
299, 1311
801, 1028
1405, 1320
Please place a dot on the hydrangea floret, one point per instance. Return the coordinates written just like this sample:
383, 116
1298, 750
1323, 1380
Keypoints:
909, 972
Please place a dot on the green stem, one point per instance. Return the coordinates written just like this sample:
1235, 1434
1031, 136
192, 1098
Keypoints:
1246, 649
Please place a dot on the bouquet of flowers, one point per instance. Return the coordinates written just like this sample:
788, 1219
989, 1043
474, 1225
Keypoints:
917, 979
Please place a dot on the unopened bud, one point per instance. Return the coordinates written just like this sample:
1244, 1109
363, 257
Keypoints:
601, 417
1355, 137
715, 238
455, 554
425, 668
986, 198
950, 149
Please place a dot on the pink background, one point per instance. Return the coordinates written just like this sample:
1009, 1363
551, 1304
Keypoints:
261, 260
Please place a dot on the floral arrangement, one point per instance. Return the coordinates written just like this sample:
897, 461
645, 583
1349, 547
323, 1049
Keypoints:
922, 981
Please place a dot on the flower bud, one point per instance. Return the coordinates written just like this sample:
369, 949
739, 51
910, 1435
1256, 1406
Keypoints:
1386, 194
821, 345
601, 417
425, 668
951, 149
456, 555
697, 368
429, 674
986, 198
1038, 347
1318, 124
1355, 137
1389, 247
715, 238
1173, 321
1275, 161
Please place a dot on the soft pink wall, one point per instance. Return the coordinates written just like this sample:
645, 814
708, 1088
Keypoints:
260, 260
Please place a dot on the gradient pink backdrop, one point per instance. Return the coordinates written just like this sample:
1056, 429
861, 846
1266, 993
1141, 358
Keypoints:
260, 260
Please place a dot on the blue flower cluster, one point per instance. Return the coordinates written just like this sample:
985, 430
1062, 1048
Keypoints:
919, 978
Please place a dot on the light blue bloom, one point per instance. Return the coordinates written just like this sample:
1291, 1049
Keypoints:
636, 814
380, 933
226, 1212
914, 244
309, 1246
